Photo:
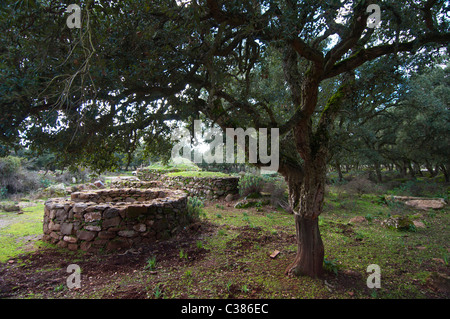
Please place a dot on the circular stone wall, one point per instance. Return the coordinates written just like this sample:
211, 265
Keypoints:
113, 219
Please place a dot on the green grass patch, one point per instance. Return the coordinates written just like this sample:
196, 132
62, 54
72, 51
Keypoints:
19, 230
198, 174
184, 165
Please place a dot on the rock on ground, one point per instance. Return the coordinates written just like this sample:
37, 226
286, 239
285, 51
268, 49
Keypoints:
419, 202
426, 203
357, 220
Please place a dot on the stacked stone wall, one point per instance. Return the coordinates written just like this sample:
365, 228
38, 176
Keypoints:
112, 219
204, 187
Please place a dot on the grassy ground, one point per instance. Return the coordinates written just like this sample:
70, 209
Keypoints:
227, 255
20, 232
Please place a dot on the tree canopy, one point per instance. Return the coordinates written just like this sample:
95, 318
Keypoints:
132, 69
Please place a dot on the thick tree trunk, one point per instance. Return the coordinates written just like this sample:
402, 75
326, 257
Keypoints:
312, 146
310, 249
294, 180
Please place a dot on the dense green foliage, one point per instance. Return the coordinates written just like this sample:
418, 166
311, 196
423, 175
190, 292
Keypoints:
94, 93
15, 177
408, 128
194, 207
249, 184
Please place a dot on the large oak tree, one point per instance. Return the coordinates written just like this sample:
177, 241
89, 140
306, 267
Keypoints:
136, 68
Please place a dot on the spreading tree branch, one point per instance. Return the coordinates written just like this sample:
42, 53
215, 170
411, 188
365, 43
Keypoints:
365, 55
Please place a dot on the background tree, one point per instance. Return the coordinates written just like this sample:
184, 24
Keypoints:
423, 133
403, 122
135, 66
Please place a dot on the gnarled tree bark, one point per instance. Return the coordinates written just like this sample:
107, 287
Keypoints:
310, 248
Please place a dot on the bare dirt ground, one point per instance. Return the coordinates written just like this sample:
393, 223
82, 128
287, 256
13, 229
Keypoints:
40, 273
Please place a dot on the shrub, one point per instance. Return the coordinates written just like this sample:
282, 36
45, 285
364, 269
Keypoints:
77, 175
183, 254
9, 165
249, 184
3, 192
420, 188
331, 265
360, 185
151, 263
15, 178
278, 190
45, 182
194, 207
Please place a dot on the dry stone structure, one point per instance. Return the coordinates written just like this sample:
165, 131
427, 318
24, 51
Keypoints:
111, 219
203, 187
134, 211
135, 183
211, 187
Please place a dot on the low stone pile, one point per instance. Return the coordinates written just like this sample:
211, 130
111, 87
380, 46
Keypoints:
135, 183
127, 195
112, 219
